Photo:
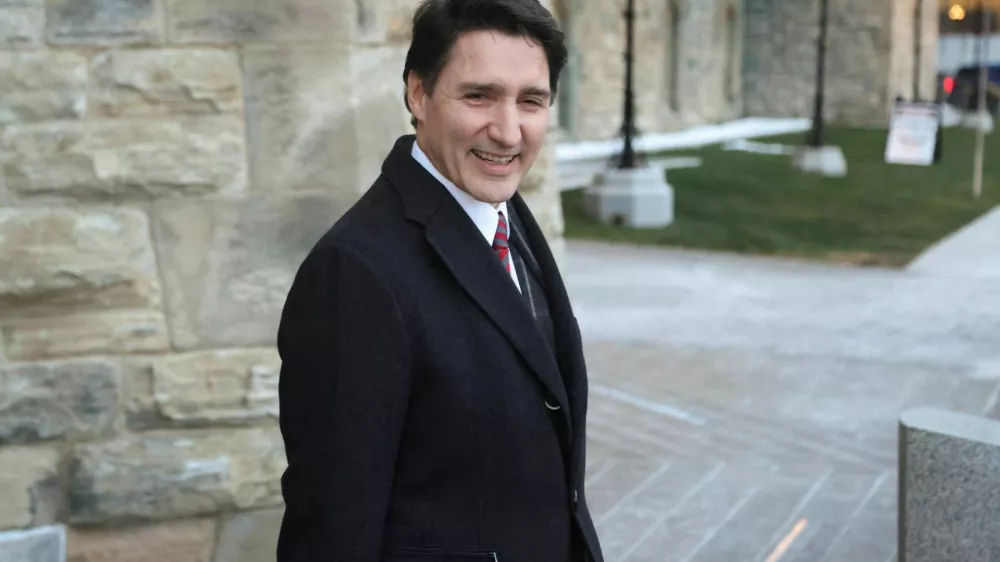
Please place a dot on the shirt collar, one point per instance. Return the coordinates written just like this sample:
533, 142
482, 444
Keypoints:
482, 214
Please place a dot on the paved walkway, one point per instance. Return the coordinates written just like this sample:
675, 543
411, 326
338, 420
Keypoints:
745, 409
973, 251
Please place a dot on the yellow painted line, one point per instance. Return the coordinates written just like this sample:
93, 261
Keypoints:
786, 542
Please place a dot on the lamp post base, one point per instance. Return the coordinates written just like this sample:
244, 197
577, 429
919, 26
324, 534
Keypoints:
827, 160
632, 197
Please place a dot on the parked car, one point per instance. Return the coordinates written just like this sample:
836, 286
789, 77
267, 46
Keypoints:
961, 90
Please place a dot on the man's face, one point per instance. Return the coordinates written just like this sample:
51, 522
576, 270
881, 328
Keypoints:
487, 119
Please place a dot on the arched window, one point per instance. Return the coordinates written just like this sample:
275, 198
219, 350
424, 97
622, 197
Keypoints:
674, 55
732, 65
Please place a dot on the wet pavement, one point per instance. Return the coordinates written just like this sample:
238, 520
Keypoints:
745, 409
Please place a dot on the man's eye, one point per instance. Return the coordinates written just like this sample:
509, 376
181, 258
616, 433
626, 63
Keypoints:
475, 96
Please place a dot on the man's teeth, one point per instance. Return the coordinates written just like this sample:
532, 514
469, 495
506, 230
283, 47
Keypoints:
493, 158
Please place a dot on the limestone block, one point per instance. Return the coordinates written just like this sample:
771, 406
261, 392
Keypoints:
300, 118
195, 81
116, 332
381, 115
220, 387
22, 23
386, 21
125, 159
42, 401
950, 487
29, 486
217, 386
227, 265
175, 541
44, 544
36, 86
104, 22
249, 537
173, 475
274, 21
87, 259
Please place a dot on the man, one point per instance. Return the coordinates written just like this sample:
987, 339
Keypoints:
433, 390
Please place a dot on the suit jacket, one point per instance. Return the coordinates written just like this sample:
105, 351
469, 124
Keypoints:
424, 415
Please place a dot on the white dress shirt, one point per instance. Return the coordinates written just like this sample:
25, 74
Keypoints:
485, 216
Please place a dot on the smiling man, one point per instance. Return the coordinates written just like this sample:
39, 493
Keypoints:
433, 389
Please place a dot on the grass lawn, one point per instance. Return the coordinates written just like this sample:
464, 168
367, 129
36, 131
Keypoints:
880, 214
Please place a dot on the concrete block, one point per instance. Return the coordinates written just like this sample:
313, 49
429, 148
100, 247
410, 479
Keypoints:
823, 160
949, 487
42, 544
636, 198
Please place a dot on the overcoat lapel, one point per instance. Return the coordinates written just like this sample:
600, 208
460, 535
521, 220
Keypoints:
469, 258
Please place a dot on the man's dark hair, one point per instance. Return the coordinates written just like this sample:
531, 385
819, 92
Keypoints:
438, 23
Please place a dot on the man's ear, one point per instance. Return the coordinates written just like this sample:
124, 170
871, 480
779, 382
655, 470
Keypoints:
416, 95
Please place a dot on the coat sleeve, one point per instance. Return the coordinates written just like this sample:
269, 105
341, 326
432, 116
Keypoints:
343, 390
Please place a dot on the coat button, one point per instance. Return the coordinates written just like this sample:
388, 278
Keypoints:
576, 497
551, 407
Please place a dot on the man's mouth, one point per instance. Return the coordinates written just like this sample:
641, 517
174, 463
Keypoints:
493, 158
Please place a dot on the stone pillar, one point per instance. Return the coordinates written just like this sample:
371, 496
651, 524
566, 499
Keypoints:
165, 165
949, 487
540, 187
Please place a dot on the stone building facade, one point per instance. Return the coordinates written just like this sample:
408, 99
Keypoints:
706, 61
871, 51
165, 165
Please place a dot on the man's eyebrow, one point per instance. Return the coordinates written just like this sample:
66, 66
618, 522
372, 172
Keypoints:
494, 87
534, 91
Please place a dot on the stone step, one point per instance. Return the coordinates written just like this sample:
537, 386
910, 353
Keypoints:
638, 510
690, 405
822, 440
732, 514
827, 526
694, 444
723, 434
693, 510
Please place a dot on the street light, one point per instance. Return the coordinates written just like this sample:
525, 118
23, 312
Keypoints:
630, 193
629, 159
816, 134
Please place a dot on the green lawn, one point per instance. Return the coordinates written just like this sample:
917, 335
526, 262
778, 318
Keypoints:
880, 214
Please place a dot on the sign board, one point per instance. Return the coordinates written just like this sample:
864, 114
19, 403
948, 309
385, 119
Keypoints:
913, 133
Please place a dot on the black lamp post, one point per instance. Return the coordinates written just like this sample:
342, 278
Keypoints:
629, 159
816, 134
918, 33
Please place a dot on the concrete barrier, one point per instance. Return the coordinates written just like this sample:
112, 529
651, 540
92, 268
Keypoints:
949, 487
41, 544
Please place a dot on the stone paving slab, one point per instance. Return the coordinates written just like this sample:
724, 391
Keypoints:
746, 409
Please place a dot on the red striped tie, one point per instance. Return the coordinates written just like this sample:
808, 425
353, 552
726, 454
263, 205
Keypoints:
500, 242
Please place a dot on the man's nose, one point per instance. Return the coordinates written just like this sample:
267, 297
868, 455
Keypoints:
506, 127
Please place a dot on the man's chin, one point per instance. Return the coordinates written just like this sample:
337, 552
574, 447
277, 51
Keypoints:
490, 190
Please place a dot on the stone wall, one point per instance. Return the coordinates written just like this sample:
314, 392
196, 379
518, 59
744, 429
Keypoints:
708, 53
870, 57
164, 167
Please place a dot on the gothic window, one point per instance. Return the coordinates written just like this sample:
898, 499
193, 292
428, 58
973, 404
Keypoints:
674, 55
732, 66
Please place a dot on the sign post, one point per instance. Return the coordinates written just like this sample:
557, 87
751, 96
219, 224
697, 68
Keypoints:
977, 171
